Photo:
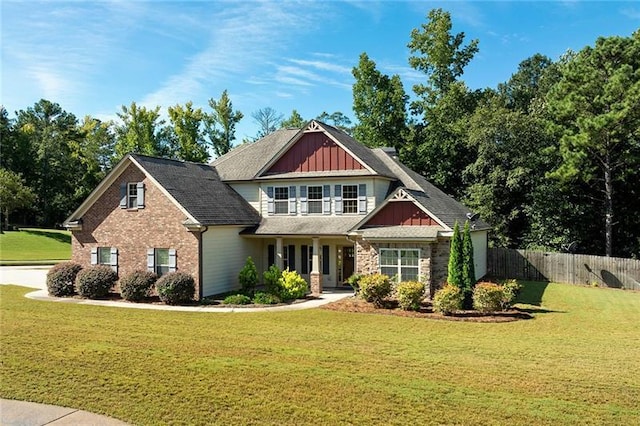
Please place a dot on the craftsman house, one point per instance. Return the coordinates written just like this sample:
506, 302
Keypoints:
312, 200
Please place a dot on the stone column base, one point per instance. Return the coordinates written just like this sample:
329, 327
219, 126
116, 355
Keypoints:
316, 283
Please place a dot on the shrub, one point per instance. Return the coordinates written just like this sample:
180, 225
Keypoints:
272, 279
468, 267
248, 276
410, 294
292, 285
454, 270
262, 298
448, 299
237, 299
137, 286
61, 279
511, 289
354, 282
96, 281
374, 288
175, 288
488, 297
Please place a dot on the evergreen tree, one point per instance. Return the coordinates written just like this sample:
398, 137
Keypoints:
455, 259
468, 267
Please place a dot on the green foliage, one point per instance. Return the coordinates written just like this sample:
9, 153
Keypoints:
375, 288
448, 300
137, 285
248, 276
262, 298
61, 279
410, 295
454, 276
271, 278
237, 299
337, 119
142, 131
354, 281
176, 288
511, 289
187, 134
488, 297
14, 194
220, 125
294, 122
96, 281
468, 267
292, 286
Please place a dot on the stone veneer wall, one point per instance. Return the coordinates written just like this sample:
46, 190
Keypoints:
133, 231
440, 259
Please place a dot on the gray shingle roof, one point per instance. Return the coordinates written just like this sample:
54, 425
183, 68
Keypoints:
198, 188
401, 232
305, 225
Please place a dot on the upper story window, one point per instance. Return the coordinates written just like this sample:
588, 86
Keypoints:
132, 195
349, 198
315, 199
281, 199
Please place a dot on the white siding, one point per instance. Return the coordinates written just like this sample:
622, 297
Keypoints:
380, 190
479, 240
224, 253
250, 192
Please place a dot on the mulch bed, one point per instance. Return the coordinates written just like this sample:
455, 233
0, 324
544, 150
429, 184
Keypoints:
352, 304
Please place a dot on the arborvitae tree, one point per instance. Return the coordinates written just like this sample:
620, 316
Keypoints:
455, 259
468, 268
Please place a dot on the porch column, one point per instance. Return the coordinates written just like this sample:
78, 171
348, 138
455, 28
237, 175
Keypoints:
279, 259
316, 274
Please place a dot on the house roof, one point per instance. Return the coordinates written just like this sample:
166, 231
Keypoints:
401, 233
305, 225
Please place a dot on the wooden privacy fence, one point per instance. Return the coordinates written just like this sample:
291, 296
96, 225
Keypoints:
564, 268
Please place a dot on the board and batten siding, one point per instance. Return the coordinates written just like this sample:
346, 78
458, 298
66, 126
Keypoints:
479, 240
224, 253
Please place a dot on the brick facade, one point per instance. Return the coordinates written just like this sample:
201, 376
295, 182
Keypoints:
133, 231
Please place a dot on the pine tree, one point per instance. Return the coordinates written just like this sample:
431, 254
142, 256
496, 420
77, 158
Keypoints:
455, 259
468, 268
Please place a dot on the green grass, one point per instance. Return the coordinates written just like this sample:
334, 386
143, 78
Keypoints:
576, 362
30, 245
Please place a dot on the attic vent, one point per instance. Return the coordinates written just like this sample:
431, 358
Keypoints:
313, 127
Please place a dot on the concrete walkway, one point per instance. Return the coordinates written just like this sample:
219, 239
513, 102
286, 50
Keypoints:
23, 413
26, 276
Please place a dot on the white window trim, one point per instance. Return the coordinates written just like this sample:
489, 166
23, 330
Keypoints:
280, 201
130, 186
353, 201
399, 265
314, 201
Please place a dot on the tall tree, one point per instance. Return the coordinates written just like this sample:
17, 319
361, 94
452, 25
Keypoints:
454, 276
187, 132
14, 194
268, 119
295, 121
379, 103
597, 101
338, 119
221, 124
468, 267
534, 77
142, 131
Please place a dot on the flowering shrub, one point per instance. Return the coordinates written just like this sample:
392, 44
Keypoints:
375, 288
448, 299
175, 288
410, 294
96, 281
61, 279
137, 286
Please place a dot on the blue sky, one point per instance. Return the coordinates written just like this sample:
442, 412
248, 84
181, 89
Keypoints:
93, 57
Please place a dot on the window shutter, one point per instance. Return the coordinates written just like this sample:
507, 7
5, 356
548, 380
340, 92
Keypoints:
325, 260
114, 259
338, 196
362, 198
172, 260
123, 195
94, 256
292, 258
304, 267
303, 200
271, 254
270, 206
292, 200
151, 260
140, 190
326, 199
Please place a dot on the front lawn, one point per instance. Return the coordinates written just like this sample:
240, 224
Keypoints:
31, 245
576, 362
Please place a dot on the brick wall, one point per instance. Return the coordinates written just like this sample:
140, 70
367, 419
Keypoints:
132, 232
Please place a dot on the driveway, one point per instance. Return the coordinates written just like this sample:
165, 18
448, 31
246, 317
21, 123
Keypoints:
26, 276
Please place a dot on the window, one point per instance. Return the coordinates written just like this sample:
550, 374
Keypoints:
403, 264
105, 256
132, 195
281, 200
289, 257
161, 260
349, 198
315, 200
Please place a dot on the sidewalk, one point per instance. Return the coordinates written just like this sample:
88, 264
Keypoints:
23, 413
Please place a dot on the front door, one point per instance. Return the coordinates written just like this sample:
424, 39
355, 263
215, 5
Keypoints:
348, 262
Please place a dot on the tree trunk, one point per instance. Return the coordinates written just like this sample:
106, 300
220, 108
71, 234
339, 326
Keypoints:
608, 197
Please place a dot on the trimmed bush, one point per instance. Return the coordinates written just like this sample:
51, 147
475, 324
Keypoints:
410, 294
271, 279
137, 286
237, 299
61, 279
262, 298
488, 297
292, 285
248, 276
448, 299
354, 282
175, 288
511, 289
374, 288
96, 281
